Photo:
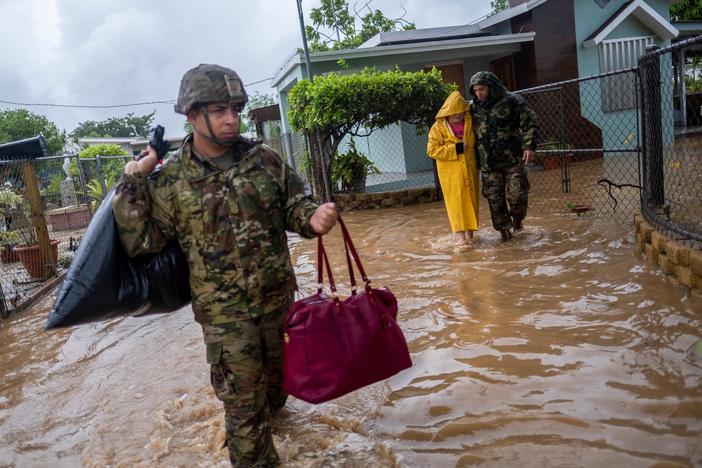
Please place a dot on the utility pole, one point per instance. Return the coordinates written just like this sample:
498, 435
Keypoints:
304, 40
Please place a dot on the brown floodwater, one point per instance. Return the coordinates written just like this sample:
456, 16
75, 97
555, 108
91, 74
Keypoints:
559, 348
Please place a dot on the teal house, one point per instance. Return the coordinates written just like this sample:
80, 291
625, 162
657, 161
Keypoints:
530, 44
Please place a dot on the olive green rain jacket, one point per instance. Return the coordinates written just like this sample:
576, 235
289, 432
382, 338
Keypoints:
504, 125
458, 173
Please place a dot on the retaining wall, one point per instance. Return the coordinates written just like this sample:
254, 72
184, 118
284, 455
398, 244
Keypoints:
365, 201
679, 259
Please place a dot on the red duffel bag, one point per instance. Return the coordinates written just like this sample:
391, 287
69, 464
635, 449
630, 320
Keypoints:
335, 346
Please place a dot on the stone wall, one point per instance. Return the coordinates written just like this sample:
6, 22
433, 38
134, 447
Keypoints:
366, 201
679, 259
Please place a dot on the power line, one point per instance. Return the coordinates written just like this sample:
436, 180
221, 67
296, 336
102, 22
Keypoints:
111, 106
79, 106
259, 81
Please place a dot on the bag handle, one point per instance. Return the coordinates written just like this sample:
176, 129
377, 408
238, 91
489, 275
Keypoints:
320, 266
348, 246
322, 255
350, 251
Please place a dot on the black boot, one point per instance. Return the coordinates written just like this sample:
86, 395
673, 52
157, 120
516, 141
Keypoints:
518, 225
506, 234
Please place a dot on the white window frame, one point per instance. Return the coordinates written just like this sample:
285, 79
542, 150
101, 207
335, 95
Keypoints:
618, 93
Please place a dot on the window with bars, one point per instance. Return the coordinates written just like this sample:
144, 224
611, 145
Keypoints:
619, 91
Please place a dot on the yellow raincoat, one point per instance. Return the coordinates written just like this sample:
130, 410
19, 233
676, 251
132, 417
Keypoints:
458, 173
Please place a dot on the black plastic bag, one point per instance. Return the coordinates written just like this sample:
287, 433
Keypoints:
104, 282
169, 284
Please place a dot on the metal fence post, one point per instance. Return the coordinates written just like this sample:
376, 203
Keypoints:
4, 313
653, 155
288, 149
101, 175
565, 163
83, 187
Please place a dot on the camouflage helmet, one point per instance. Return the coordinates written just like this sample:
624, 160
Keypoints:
209, 83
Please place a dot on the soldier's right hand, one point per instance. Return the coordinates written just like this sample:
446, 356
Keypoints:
324, 218
145, 162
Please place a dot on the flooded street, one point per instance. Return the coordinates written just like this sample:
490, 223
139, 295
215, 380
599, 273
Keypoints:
559, 348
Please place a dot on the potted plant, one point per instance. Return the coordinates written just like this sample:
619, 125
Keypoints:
8, 241
350, 169
28, 249
554, 160
10, 204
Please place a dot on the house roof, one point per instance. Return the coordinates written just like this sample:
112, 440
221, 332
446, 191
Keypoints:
641, 11
423, 35
265, 114
472, 35
105, 141
477, 27
472, 43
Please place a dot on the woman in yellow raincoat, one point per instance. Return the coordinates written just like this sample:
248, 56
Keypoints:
452, 144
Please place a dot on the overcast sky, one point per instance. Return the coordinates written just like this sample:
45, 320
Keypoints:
108, 52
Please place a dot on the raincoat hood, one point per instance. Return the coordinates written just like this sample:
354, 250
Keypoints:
454, 104
497, 89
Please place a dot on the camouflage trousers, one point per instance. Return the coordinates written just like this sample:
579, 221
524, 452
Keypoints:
246, 371
507, 193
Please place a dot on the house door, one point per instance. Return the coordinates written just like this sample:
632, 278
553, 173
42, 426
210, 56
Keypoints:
452, 74
504, 69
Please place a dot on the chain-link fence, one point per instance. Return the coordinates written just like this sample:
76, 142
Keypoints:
587, 156
293, 148
672, 146
52, 195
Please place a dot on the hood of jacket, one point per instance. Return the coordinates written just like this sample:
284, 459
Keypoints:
454, 104
497, 89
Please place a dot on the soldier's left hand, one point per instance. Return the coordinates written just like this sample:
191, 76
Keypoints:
529, 155
324, 218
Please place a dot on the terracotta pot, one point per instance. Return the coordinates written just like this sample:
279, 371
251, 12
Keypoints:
551, 162
30, 256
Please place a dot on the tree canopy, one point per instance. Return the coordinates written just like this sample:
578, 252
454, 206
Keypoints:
357, 104
498, 5
128, 126
18, 124
686, 10
360, 103
334, 27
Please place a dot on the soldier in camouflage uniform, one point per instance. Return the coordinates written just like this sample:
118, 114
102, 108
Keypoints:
505, 130
228, 201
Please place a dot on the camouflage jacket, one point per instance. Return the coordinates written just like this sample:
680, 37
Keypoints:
231, 224
504, 125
